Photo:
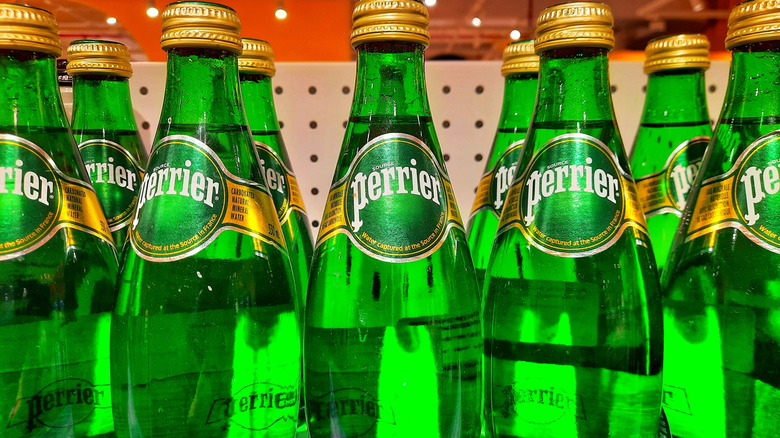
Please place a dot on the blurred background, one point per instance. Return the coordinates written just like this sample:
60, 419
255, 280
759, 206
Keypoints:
318, 30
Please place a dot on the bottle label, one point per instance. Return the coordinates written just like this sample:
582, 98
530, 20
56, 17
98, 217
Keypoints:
745, 197
281, 181
188, 198
115, 176
495, 183
37, 200
667, 190
395, 202
573, 199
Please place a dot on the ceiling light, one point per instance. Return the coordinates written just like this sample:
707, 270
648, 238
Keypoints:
476, 22
152, 12
515, 34
430, 3
697, 5
281, 14
111, 20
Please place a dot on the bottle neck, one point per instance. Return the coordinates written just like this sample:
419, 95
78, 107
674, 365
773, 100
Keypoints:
258, 99
30, 97
574, 86
390, 80
753, 88
102, 102
202, 88
675, 96
519, 101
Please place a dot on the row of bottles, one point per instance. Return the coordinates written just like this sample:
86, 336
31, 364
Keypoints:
206, 303
212, 299
573, 309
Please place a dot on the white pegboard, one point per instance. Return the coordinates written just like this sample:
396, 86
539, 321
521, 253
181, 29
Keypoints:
313, 102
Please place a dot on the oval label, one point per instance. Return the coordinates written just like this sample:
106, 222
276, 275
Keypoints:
185, 175
115, 176
495, 183
33, 188
757, 183
281, 182
744, 197
573, 199
666, 191
395, 202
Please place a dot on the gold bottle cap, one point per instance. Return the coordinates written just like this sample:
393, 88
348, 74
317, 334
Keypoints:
201, 25
95, 56
575, 24
752, 22
258, 57
519, 57
28, 28
677, 51
390, 20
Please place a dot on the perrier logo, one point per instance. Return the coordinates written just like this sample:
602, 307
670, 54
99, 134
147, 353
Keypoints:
281, 181
745, 198
188, 197
495, 183
47, 408
115, 176
666, 191
573, 200
37, 199
395, 202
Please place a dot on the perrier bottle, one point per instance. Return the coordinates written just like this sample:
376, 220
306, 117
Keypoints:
57, 260
572, 317
392, 335
104, 128
721, 288
673, 133
521, 79
256, 68
205, 339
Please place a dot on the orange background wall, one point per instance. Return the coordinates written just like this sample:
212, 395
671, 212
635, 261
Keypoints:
327, 24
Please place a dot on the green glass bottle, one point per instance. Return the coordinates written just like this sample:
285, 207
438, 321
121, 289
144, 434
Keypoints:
104, 127
721, 287
57, 260
521, 79
673, 133
256, 68
392, 336
205, 338
572, 316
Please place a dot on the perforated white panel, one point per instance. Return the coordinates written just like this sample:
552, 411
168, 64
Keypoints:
313, 101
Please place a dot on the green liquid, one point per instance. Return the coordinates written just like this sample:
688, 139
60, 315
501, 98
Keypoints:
721, 297
654, 143
564, 363
483, 226
572, 345
55, 305
209, 345
392, 349
295, 227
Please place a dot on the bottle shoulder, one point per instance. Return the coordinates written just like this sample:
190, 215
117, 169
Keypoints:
232, 143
